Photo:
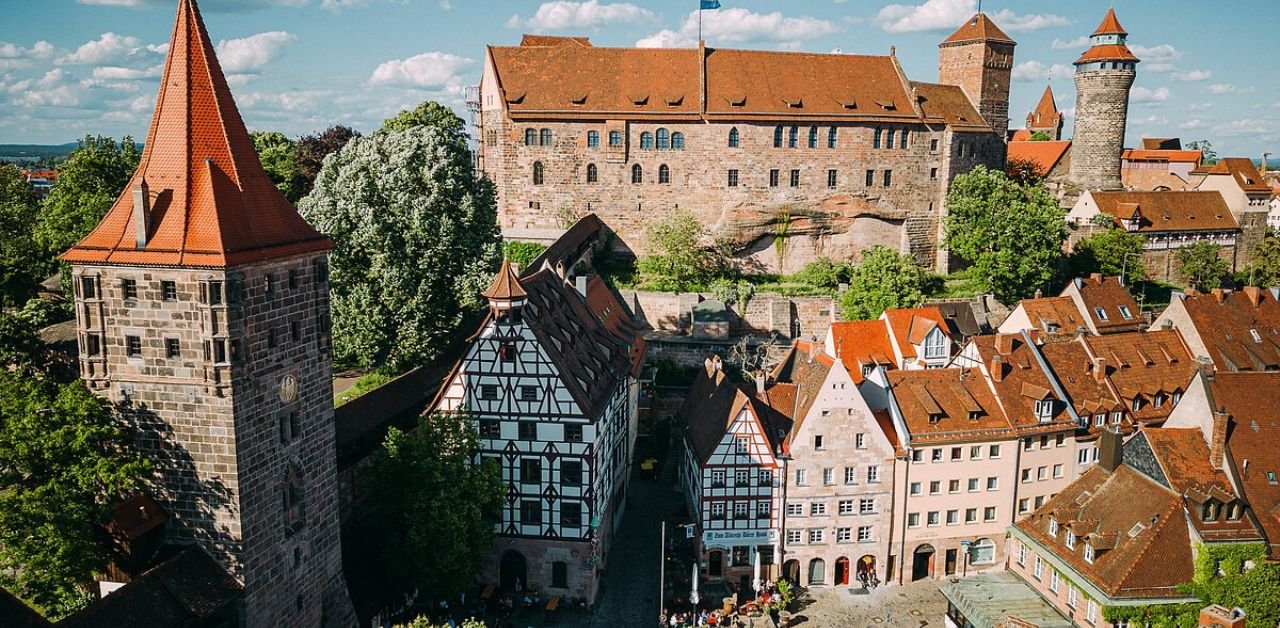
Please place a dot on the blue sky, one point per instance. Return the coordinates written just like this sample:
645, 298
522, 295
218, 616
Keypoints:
70, 67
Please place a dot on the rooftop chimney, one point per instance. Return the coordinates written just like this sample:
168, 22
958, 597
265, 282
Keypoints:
997, 368
1039, 293
580, 282
1219, 295
760, 383
1110, 449
1100, 369
1095, 277
1255, 295
1218, 447
141, 214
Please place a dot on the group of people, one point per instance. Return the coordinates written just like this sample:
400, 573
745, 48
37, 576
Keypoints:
690, 619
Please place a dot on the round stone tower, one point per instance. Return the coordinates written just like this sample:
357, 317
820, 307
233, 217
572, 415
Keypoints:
1104, 74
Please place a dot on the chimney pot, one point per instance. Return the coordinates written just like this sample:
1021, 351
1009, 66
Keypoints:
1100, 369
1039, 293
141, 214
580, 282
997, 368
1110, 449
1255, 295
759, 383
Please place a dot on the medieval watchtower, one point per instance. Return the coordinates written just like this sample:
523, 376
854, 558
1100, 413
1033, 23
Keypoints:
978, 58
1104, 74
1046, 118
202, 305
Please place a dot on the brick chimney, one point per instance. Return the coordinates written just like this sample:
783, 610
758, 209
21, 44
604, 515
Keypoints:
997, 368
1218, 446
1215, 616
1110, 449
1255, 295
1095, 277
1099, 369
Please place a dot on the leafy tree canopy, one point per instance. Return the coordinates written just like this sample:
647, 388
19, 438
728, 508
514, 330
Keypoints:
88, 183
417, 242
677, 259
20, 345
886, 279
428, 114
1040, 136
824, 273
1106, 253
67, 460
276, 151
22, 263
1024, 171
1264, 270
1210, 156
1011, 232
436, 509
308, 156
1203, 266
522, 253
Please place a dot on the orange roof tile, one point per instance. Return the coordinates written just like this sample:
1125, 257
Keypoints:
909, 326
506, 285
977, 28
1021, 381
1245, 173
1057, 318
862, 343
1182, 210
1180, 156
1143, 365
803, 369
1107, 52
1021, 135
1089, 394
948, 104
1046, 112
618, 319
1183, 456
804, 84
1099, 291
211, 203
1225, 322
1152, 180
1253, 401
1045, 155
1110, 25
950, 404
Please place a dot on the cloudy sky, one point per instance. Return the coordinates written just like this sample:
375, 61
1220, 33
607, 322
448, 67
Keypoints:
70, 67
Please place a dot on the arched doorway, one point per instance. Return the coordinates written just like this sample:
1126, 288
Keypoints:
512, 570
867, 569
842, 571
791, 571
817, 572
922, 562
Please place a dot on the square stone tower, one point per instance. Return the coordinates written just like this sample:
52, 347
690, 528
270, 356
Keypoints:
202, 306
978, 58
1104, 74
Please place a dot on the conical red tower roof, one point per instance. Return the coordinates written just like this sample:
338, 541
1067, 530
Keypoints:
211, 204
1047, 110
978, 28
506, 285
1110, 25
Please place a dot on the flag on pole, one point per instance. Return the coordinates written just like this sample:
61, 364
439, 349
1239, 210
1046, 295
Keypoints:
707, 5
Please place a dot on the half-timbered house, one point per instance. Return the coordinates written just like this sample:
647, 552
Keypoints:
548, 380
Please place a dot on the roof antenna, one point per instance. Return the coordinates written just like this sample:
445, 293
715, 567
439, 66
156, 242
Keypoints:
979, 7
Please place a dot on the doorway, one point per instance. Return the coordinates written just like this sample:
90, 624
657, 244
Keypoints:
842, 571
513, 571
951, 562
715, 564
791, 571
922, 563
867, 569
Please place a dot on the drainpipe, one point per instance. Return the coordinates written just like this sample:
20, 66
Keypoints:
902, 546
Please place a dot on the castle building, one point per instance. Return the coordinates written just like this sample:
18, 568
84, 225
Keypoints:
202, 306
787, 156
1046, 118
1104, 74
550, 379
978, 58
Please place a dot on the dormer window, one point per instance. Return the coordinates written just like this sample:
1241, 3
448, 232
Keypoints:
1071, 539
1158, 400
1088, 553
1125, 312
1137, 403
974, 415
1254, 334
934, 417
1053, 526
1102, 314
1234, 511
1209, 512
935, 346
1044, 409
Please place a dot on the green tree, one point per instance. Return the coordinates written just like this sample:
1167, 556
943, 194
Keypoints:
434, 508
1040, 136
309, 153
677, 259
522, 253
427, 114
824, 273
417, 242
1203, 266
88, 183
1023, 171
1011, 232
67, 461
22, 264
276, 152
1107, 252
1264, 270
1209, 155
20, 345
885, 280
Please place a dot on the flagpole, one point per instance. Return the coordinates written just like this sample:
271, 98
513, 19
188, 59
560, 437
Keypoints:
699, 20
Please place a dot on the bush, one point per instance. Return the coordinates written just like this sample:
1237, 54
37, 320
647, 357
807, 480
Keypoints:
733, 292
824, 273
522, 253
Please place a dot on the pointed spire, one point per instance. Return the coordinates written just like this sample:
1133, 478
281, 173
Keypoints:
1110, 25
978, 28
211, 203
506, 285
1107, 43
1047, 108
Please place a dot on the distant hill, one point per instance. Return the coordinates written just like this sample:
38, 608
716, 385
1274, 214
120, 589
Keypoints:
38, 152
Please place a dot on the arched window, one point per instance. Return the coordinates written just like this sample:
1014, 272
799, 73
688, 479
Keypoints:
817, 571
593, 139
537, 173
637, 174
777, 136
889, 142
813, 137
546, 137
646, 141
831, 137
592, 173
530, 137
733, 137
677, 141
664, 174
982, 552
793, 138
664, 140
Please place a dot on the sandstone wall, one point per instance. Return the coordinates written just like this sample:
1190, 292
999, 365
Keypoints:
792, 317
1102, 109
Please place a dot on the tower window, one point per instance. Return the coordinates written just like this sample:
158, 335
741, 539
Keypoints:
871, 178
133, 346
831, 178
664, 174
933, 174
795, 178
733, 178
92, 344
875, 139
664, 139
813, 137
545, 137
269, 285
129, 288
537, 173
637, 174
172, 348
88, 288
615, 138
733, 137
773, 178
322, 271
169, 290
888, 178
902, 141
593, 174
593, 139
292, 497
933, 145
271, 338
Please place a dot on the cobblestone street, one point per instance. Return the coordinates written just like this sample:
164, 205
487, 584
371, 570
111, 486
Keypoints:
910, 605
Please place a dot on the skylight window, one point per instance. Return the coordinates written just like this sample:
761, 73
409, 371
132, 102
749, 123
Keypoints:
1102, 314
1256, 337
1125, 312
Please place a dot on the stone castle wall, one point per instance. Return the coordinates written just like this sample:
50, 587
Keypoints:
220, 432
812, 218
792, 317
983, 70
1102, 109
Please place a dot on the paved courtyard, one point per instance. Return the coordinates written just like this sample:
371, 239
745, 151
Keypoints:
910, 605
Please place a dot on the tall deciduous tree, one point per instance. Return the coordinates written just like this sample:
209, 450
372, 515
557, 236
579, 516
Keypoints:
88, 183
886, 279
1203, 266
22, 265
417, 242
677, 259
434, 507
309, 153
1011, 232
428, 114
1112, 252
1264, 270
66, 461
276, 151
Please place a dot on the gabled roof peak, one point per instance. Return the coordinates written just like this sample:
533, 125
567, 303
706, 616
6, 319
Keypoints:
978, 28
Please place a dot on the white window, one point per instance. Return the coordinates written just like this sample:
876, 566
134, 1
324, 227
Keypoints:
935, 487
762, 509
741, 477
1101, 419
1022, 553
1053, 526
818, 509
935, 455
1092, 613
973, 485
846, 506
993, 451
1039, 567
850, 475
1024, 505
982, 552
866, 506
953, 517
860, 441
915, 488
1042, 473
1071, 539
1125, 312
873, 474
794, 537
953, 486
970, 515
932, 518
765, 477
817, 440
975, 452
1057, 470
740, 445
1082, 456
993, 483
843, 535
800, 477
1072, 596
717, 510
1054, 581
935, 346
864, 534
1116, 417
1088, 553
1044, 409
795, 510
740, 510
989, 513
913, 520
815, 536
1102, 314
1254, 334
828, 476
717, 479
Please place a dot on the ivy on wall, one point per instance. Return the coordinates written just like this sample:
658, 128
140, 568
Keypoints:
1227, 574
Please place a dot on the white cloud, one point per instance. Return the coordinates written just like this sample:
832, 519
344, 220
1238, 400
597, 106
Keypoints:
1247, 127
1191, 76
1193, 123
111, 49
1227, 88
250, 53
1161, 54
52, 90
562, 14
445, 5
117, 73
1152, 120
429, 69
1144, 94
1078, 43
1200, 106
946, 14
1036, 71
737, 25
13, 56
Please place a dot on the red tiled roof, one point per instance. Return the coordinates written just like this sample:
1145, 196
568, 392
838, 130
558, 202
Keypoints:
1021, 135
1224, 328
947, 104
1087, 393
1253, 401
212, 205
1045, 155
909, 327
1110, 25
1180, 156
1144, 364
1242, 170
1183, 210
977, 28
952, 395
1107, 52
859, 343
1183, 457
1046, 111
1021, 381
506, 285
1098, 291
1151, 179
800, 373
1055, 317
618, 320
